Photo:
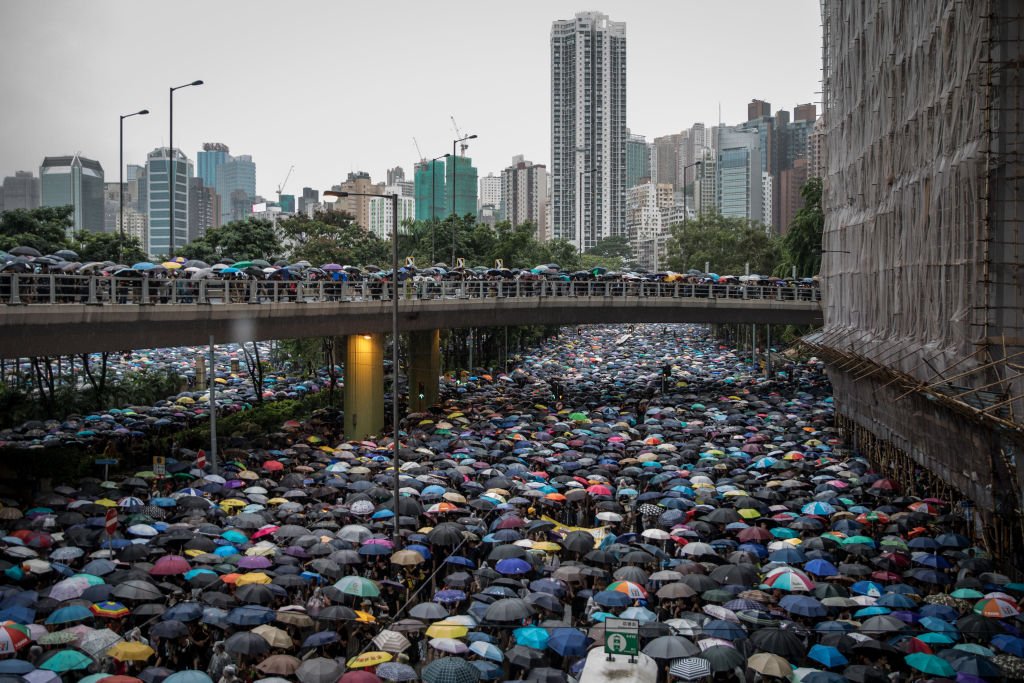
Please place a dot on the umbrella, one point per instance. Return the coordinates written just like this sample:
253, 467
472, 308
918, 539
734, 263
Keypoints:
778, 641
188, 676
130, 651
670, 647
690, 669
246, 643
395, 671
319, 670
770, 665
930, 664
369, 659
281, 665
569, 642
450, 670
65, 660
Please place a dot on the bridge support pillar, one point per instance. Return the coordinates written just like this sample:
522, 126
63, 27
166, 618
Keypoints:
424, 368
364, 386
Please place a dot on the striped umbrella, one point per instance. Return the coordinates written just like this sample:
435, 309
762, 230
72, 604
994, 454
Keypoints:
690, 669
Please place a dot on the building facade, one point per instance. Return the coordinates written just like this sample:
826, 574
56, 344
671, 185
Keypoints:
740, 187
429, 179
588, 128
379, 213
20, 191
358, 183
74, 181
638, 161
524, 190
490, 192
460, 179
212, 155
166, 208
203, 208
236, 185
648, 209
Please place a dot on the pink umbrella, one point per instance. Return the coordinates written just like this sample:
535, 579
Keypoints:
170, 565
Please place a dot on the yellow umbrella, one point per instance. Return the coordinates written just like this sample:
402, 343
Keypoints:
106, 502
368, 659
443, 629
277, 501
547, 546
171, 265
749, 513
232, 503
247, 474
252, 577
365, 617
126, 651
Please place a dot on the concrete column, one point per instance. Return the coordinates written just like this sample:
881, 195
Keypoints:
200, 372
364, 385
424, 368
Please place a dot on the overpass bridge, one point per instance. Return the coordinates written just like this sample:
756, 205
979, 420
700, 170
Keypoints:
55, 314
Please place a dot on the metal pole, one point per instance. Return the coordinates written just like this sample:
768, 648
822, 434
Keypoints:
120, 190
394, 353
171, 180
454, 215
433, 208
768, 350
213, 412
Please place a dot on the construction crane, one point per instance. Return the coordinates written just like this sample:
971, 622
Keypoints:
280, 187
418, 152
458, 133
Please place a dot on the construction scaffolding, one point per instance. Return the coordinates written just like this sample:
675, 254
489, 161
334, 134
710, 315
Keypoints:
922, 250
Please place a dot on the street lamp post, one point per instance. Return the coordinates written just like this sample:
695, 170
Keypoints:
120, 171
580, 231
455, 175
172, 176
394, 336
433, 197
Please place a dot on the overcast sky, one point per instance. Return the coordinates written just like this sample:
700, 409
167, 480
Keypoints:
332, 86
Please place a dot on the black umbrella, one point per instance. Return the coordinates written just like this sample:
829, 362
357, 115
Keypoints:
246, 643
781, 642
723, 658
578, 542
507, 609
670, 647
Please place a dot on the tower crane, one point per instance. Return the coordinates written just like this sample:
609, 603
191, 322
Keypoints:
418, 152
280, 187
458, 133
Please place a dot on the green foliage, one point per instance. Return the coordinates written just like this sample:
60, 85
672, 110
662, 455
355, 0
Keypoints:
252, 238
614, 253
44, 229
333, 237
801, 247
108, 246
728, 244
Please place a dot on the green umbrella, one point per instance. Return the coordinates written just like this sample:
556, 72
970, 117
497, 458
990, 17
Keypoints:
930, 664
358, 586
66, 660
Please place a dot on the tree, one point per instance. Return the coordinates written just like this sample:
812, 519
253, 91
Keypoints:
245, 240
333, 237
108, 246
44, 229
726, 243
801, 246
612, 252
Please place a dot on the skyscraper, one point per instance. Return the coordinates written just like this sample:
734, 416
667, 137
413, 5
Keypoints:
460, 178
309, 199
76, 181
588, 128
739, 183
203, 208
158, 200
638, 161
20, 191
357, 206
490, 191
236, 185
665, 159
213, 155
524, 193
429, 190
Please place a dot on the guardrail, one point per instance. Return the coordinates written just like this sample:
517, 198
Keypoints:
17, 289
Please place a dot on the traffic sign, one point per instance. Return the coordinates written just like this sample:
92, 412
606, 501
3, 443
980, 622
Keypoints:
499, 263
159, 465
410, 261
201, 459
622, 637
460, 262
110, 521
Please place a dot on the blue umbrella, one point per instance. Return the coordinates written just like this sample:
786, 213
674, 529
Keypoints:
66, 660
569, 642
320, 638
726, 630
489, 671
531, 636
486, 650
868, 588
1009, 644
250, 615
184, 611
896, 601
612, 599
16, 667
513, 566
66, 615
460, 561
820, 567
827, 656
188, 676
803, 605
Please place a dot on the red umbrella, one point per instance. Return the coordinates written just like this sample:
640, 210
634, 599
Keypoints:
170, 565
754, 534
359, 677
273, 466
